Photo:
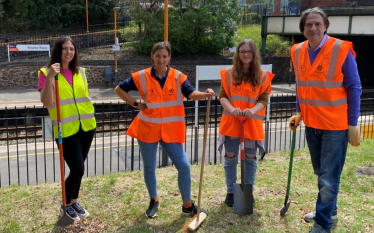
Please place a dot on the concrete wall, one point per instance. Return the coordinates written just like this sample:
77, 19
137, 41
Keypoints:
23, 75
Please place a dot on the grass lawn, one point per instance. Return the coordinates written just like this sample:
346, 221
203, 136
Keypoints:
117, 202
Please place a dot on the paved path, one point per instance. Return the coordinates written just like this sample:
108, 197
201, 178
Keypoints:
11, 98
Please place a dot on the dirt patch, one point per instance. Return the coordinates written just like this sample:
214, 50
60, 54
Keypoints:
368, 171
85, 225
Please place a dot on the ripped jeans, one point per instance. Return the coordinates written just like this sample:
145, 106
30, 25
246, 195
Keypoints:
230, 165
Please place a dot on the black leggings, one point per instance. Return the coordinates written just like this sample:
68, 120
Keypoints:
75, 149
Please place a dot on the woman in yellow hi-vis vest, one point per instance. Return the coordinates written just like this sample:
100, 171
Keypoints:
161, 120
244, 95
77, 115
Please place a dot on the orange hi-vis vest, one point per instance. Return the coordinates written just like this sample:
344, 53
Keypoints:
164, 116
322, 96
244, 96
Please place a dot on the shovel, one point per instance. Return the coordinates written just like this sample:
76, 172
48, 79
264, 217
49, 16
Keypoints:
287, 203
65, 220
243, 197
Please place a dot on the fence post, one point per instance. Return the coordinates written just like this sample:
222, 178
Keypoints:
267, 126
164, 158
215, 131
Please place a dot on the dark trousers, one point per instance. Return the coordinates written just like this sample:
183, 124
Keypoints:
75, 149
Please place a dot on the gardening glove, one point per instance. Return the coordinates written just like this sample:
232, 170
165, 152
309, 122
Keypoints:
236, 112
297, 119
353, 135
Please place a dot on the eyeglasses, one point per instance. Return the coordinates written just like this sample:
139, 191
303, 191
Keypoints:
245, 52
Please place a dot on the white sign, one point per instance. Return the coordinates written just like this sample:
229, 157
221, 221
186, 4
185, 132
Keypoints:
47, 127
28, 47
213, 73
116, 48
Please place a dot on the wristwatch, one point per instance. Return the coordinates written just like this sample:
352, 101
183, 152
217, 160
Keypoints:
136, 104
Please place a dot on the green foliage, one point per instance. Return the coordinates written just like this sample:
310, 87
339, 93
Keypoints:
193, 28
24, 15
275, 45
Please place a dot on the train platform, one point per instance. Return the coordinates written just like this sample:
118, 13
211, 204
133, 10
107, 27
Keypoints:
31, 97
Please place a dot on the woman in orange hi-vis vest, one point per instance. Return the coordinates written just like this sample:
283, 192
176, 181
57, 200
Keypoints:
244, 94
161, 120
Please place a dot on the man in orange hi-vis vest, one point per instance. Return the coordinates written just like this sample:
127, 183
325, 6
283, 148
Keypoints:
328, 93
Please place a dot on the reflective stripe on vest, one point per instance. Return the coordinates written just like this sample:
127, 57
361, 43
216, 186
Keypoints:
71, 101
161, 120
239, 97
74, 118
329, 83
255, 117
324, 103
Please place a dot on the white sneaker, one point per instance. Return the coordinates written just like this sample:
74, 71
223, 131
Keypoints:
310, 216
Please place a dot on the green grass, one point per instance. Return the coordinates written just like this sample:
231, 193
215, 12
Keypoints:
275, 45
117, 202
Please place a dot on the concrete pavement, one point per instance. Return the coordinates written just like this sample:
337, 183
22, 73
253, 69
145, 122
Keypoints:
11, 98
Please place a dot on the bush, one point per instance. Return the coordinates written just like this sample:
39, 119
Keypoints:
275, 45
192, 30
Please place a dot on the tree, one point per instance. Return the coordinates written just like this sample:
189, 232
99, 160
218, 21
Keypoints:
195, 27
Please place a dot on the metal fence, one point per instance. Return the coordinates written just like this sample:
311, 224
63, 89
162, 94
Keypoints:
26, 157
99, 35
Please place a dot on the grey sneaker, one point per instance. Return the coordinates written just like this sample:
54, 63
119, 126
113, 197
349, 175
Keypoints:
318, 229
310, 216
82, 213
70, 212
152, 209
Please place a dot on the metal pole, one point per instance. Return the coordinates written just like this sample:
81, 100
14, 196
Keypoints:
116, 42
8, 54
196, 117
267, 125
166, 20
88, 31
164, 158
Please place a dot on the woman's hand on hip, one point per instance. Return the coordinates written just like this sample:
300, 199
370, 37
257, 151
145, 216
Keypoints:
141, 106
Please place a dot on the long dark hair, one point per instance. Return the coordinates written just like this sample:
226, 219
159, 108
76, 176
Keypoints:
254, 69
57, 51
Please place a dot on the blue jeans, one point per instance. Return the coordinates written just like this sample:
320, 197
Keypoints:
177, 154
250, 165
328, 149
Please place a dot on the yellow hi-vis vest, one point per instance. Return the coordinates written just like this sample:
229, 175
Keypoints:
75, 106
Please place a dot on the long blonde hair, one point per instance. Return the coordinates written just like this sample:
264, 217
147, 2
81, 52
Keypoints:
255, 66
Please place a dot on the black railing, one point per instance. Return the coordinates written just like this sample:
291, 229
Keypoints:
26, 157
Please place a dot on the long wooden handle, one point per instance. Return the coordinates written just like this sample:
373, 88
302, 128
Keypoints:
60, 141
203, 158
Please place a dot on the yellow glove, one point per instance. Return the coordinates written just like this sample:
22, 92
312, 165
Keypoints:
353, 135
297, 119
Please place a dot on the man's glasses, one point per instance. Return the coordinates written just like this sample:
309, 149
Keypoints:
245, 52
